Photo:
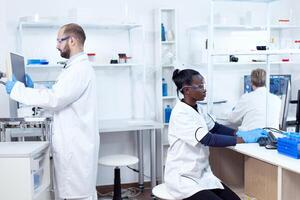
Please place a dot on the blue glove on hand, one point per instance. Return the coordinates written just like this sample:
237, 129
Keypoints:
10, 84
253, 135
28, 81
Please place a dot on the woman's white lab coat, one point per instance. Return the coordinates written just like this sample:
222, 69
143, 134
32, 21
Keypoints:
187, 168
75, 126
251, 110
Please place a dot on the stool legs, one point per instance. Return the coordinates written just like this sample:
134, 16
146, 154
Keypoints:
117, 185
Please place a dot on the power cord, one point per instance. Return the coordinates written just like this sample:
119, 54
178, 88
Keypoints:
137, 171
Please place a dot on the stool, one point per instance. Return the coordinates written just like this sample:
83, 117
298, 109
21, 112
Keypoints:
117, 161
160, 191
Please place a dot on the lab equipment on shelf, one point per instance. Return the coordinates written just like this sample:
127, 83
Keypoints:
91, 56
164, 88
168, 111
37, 62
163, 32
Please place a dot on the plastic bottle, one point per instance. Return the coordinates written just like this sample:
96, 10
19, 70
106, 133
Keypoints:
163, 32
164, 88
168, 111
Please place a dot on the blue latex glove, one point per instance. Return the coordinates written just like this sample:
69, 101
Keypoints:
28, 81
10, 84
253, 135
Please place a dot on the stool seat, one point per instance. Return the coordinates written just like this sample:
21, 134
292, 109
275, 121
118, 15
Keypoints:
161, 192
118, 160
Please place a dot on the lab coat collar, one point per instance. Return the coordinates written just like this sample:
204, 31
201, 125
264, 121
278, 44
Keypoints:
262, 89
75, 58
190, 108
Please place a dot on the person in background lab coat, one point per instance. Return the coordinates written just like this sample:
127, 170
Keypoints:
251, 109
187, 172
73, 100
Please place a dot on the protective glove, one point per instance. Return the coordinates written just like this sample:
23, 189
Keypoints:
253, 135
28, 81
10, 84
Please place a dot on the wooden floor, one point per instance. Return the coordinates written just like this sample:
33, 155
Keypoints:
144, 195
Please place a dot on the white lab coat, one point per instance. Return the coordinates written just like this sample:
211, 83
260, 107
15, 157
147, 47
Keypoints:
251, 109
73, 100
187, 168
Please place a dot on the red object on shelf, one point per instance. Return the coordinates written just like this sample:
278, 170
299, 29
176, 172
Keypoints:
91, 54
284, 20
285, 59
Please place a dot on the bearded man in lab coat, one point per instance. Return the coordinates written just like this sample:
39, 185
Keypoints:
251, 109
73, 100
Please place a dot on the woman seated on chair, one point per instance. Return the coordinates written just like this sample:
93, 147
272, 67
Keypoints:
191, 132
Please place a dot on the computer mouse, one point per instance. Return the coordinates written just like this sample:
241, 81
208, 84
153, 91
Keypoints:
269, 146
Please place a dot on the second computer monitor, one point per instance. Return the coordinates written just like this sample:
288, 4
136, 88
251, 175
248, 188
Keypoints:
278, 84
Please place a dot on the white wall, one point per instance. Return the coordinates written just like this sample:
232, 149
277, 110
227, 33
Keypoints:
111, 83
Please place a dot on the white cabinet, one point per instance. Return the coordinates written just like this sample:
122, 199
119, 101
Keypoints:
166, 40
25, 171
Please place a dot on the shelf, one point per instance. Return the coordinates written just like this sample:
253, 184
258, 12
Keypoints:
254, 63
117, 65
257, 1
169, 97
168, 42
56, 67
96, 26
168, 66
245, 27
268, 52
48, 67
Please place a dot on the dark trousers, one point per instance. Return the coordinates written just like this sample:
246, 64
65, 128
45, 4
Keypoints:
215, 194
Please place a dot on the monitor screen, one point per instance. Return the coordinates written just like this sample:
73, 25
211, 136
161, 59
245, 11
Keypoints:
18, 67
278, 84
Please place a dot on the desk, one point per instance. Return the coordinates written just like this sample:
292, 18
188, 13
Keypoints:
139, 126
259, 172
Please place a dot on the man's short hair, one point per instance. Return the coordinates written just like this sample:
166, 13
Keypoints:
76, 31
258, 77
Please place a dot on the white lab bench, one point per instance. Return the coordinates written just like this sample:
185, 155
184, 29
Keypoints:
139, 127
258, 172
24, 171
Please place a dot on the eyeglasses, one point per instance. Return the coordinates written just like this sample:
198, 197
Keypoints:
60, 40
195, 87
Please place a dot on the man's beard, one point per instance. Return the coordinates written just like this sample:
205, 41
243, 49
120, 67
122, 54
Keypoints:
66, 52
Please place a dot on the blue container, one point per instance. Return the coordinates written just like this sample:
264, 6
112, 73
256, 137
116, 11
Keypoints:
37, 62
164, 88
168, 111
163, 32
289, 146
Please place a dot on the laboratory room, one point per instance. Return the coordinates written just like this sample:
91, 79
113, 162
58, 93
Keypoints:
142, 100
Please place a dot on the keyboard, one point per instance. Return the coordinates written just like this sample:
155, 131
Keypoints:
270, 142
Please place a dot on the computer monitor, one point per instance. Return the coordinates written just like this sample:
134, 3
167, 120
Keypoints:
278, 84
18, 66
285, 107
